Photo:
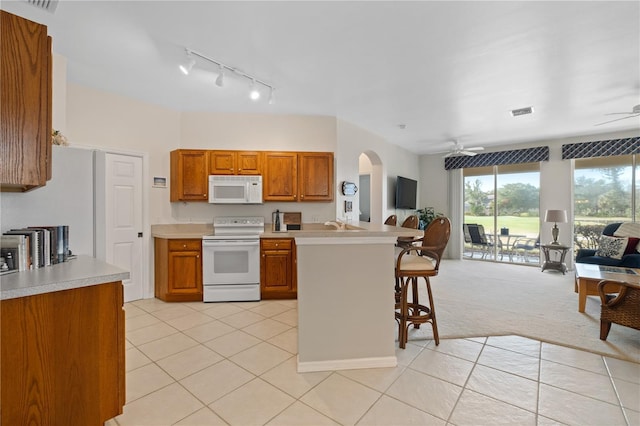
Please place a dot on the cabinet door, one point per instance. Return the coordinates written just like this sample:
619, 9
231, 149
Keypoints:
316, 176
280, 179
277, 269
189, 175
222, 162
185, 268
25, 110
249, 163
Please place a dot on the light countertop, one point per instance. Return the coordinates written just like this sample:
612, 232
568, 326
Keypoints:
354, 230
82, 271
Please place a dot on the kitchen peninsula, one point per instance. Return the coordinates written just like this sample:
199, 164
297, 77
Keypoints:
345, 295
345, 283
62, 343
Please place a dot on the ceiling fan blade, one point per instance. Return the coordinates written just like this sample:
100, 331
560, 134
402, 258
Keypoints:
620, 113
617, 119
468, 153
475, 148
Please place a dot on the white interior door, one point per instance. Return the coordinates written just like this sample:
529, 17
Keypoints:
123, 219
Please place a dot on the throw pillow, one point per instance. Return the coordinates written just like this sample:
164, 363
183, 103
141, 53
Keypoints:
632, 246
628, 229
612, 247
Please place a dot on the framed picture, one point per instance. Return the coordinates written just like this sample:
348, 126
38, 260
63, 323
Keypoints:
348, 206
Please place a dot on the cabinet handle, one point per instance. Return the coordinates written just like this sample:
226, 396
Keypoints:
276, 244
184, 246
197, 256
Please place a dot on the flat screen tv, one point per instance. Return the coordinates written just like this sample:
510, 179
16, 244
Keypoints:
406, 192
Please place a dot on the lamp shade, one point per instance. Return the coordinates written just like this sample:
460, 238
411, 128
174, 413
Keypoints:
558, 216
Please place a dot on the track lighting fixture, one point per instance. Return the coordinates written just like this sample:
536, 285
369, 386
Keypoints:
254, 91
254, 94
271, 99
220, 78
191, 61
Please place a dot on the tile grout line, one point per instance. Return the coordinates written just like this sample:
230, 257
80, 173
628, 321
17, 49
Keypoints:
615, 389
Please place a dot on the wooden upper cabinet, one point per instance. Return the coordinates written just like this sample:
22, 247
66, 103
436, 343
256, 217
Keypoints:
315, 176
280, 179
189, 175
25, 110
235, 162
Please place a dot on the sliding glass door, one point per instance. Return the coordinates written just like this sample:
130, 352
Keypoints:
504, 202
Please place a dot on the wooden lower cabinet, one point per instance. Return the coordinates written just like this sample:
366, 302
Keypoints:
278, 273
178, 269
63, 357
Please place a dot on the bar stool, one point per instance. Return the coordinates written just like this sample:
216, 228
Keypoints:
419, 261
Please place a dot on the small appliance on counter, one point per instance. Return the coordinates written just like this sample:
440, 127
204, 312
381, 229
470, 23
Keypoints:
286, 221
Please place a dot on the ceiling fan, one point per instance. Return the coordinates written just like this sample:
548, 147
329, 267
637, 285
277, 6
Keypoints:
458, 149
635, 112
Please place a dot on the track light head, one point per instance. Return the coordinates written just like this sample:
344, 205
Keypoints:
271, 96
220, 78
254, 94
186, 68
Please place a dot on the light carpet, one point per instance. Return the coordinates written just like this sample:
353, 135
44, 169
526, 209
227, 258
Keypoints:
476, 298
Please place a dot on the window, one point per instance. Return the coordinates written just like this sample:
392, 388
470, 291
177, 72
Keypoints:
605, 191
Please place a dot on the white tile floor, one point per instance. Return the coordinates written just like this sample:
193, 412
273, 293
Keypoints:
234, 363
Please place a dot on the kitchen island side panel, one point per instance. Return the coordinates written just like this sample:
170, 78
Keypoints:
345, 303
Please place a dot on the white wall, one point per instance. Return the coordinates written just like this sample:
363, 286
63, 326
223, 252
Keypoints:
353, 141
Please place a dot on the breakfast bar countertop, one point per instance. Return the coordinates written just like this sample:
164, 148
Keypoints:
353, 230
82, 271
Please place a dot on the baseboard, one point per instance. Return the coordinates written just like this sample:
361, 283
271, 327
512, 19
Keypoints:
347, 364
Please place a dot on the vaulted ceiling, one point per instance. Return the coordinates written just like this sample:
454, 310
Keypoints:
418, 73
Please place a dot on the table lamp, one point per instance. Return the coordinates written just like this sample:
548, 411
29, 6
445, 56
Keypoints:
555, 216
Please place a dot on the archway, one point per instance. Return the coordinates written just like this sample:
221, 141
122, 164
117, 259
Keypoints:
371, 186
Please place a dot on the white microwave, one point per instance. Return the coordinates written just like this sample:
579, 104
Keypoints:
224, 189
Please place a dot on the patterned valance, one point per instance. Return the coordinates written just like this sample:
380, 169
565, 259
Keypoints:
516, 156
601, 148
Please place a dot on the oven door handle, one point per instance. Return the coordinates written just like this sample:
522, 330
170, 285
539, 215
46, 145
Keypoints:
235, 243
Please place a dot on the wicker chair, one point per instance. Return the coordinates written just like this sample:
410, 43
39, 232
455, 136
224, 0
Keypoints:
391, 220
622, 308
410, 222
412, 263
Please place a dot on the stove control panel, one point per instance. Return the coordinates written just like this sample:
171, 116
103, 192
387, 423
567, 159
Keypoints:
238, 221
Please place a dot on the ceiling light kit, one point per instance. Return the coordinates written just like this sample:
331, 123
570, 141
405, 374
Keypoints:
254, 89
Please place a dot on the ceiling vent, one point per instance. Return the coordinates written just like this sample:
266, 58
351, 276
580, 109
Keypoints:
48, 5
521, 111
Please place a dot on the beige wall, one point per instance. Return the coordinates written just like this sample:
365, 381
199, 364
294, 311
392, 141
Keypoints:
353, 141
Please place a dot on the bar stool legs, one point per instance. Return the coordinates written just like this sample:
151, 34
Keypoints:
414, 313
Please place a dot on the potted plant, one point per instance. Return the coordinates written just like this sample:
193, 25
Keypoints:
426, 215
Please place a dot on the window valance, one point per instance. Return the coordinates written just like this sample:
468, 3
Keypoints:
516, 156
601, 148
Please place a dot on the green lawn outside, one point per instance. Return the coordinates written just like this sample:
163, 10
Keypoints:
529, 226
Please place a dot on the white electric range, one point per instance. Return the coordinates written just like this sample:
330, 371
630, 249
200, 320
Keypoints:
231, 259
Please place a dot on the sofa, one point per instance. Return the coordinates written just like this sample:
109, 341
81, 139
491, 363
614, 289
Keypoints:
615, 248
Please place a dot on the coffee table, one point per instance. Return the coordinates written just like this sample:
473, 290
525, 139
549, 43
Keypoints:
588, 276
